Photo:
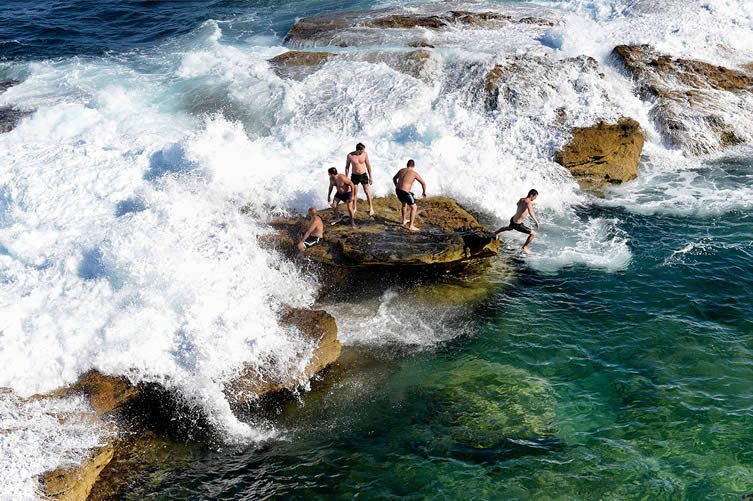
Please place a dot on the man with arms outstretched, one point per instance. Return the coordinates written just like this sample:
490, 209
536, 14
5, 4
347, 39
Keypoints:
343, 194
359, 159
314, 232
403, 182
525, 206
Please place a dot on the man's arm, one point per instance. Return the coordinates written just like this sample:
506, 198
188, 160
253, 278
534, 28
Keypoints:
423, 184
533, 215
368, 169
308, 231
394, 178
329, 191
347, 164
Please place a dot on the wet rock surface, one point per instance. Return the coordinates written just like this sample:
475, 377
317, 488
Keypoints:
695, 102
363, 27
604, 153
449, 235
316, 326
74, 483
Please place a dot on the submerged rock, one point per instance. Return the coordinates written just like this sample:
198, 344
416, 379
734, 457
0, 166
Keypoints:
317, 326
75, 482
7, 84
297, 63
449, 235
604, 154
483, 405
698, 106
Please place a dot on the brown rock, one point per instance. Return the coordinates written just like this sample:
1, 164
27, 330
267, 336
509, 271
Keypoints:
604, 154
301, 58
316, 325
105, 392
401, 21
73, 483
685, 91
449, 235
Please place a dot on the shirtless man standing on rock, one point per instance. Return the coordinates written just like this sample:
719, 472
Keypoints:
403, 182
525, 206
359, 159
344, 193
314, 232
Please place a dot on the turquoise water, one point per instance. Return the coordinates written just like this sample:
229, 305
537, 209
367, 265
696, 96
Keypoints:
579, 384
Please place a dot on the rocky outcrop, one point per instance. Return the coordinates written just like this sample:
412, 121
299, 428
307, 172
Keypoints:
9, 118
106, 393
316, 326
7, 84
604, 153
511, 81
696, 104
358, 28
296, 64
74, 483
449, 235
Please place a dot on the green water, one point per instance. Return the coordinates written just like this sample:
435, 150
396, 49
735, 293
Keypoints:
575, 384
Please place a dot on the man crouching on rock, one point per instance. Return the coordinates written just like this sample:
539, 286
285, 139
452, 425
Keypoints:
403, 182
314, 232
343, 194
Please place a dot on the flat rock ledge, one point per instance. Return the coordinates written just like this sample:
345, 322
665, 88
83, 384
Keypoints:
603, 154
132, 445
449, 235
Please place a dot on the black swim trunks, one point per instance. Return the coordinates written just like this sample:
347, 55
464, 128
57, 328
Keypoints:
344, 197
407, 197
360, 178
519, 227
311, 241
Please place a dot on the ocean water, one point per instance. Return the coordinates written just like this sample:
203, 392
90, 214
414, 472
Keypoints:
613, 363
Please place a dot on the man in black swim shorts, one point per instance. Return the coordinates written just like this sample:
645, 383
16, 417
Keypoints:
525, 207
314, 233
404, 180
359, 160
343, 194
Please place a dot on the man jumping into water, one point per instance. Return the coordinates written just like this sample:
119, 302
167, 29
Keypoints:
403, 182
359, 159
343, 194
525, 205
314, 232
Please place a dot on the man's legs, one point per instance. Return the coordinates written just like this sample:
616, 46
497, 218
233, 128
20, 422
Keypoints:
354, 200
352, 211
336, 211
405, 221
413, 211
528, 241
367, 190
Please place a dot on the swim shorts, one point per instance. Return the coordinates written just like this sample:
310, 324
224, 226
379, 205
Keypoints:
311, 241
344, 197
360, 178
519, 227
407, 197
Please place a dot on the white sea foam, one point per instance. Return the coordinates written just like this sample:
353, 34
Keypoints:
121, 243
40, 435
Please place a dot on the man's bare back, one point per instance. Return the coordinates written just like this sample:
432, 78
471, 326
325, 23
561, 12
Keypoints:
406, 177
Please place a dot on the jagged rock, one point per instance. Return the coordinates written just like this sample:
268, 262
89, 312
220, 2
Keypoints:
73, 483
7, 84
688, 97
357, 28
507, 81
315, 325
604, 153
105, 392
296, 64
9, 118
449, 235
